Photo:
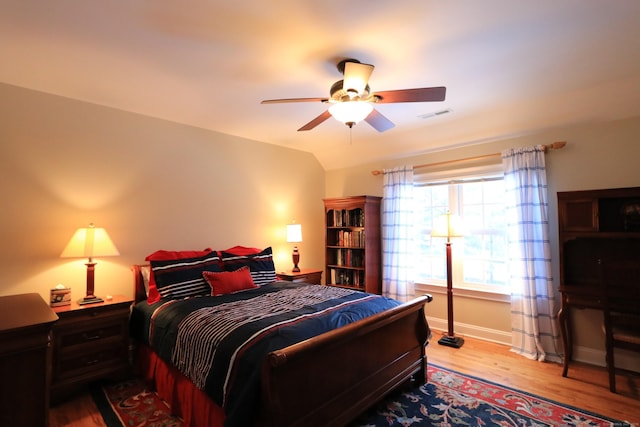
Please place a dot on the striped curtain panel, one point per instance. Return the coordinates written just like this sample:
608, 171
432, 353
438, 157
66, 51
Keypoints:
535, 331
397, 234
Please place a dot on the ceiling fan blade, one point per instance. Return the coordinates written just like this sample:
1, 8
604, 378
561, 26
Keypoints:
315, 122
378, 121
356, 76
282, 101
425, 94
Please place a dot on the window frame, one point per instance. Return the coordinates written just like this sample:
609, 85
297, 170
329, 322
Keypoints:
459, 176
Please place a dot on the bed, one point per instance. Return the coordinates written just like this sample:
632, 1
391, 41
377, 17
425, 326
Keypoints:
326, 378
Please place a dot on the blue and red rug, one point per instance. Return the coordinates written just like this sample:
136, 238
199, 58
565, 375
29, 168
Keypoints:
449, 399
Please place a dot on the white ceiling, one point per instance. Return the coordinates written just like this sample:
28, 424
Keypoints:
510, 66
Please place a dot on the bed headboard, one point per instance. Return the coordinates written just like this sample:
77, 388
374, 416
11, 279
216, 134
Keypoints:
139, 291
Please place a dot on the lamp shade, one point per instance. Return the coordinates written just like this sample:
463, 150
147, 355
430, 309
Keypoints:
350, 112
294, 233
448, 226
356, 76
89, 242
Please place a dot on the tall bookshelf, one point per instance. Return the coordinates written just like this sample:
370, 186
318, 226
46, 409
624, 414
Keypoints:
352, 243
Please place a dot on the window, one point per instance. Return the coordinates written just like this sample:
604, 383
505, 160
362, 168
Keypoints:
480, 258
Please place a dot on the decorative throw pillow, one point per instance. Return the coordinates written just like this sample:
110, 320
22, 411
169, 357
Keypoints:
182, 278
242, 250
162, 255
260, 265
227, 282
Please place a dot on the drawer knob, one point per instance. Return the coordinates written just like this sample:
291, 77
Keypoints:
91, 362
88, 337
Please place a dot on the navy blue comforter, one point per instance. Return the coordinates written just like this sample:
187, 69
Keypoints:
220, 342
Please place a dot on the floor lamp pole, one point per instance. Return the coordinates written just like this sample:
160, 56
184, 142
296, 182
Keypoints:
450, 339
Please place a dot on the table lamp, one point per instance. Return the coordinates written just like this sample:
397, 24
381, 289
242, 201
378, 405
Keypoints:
294, 235
88, 243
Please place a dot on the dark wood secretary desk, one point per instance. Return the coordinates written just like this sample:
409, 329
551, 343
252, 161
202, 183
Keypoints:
599, 239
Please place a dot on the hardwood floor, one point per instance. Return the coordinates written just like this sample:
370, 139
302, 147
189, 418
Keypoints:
76, 412
586, 386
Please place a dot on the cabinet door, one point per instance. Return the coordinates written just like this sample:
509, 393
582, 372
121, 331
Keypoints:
578, 214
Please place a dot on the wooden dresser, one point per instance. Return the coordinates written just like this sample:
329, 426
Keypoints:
26, 322
90, 342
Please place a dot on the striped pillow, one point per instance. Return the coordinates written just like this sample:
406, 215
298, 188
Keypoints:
182, 278
260, 265
163, 255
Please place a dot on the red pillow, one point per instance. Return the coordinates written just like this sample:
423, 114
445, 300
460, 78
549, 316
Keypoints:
161, 255
227, 282
242, 250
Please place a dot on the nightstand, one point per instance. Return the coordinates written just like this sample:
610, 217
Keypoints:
305, 275
90, 342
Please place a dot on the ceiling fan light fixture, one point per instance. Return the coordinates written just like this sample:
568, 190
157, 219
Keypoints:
350, 112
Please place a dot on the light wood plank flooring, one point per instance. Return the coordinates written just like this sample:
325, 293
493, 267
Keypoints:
586, 386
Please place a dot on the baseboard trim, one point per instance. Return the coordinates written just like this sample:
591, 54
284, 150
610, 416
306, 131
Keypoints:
466, 330
624, 359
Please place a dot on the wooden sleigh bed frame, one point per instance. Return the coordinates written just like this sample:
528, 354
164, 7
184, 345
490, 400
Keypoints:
332, 378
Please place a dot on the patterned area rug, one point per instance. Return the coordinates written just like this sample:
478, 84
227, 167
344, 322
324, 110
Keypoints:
449, 399
453, 399
133, 403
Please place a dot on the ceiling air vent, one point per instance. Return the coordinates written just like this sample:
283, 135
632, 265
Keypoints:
434, 114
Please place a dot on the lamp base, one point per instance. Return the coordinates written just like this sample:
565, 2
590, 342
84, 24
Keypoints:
451, 341
296, 260
90, 300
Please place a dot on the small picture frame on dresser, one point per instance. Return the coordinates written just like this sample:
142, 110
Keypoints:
60, 296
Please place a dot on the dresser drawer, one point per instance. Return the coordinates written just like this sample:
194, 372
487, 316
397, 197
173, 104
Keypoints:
93, 315
91, 336
90, 362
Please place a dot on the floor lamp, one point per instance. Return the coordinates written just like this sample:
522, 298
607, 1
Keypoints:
449, 226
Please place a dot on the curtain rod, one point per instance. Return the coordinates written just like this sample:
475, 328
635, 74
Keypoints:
553, 146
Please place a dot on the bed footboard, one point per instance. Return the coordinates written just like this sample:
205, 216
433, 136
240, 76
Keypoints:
330, 379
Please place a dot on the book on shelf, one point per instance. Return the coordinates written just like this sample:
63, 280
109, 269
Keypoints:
349, 257
347, 217
354, 239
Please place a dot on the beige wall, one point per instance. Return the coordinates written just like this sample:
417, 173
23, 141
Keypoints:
152, 184
599, 155
155, 184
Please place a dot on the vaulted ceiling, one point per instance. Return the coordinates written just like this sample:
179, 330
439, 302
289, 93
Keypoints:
510, 67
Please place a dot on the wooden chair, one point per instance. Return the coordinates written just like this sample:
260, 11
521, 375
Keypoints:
620, 284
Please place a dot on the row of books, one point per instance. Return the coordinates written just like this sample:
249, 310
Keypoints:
349, 257
345, 218
347, 277
354, 239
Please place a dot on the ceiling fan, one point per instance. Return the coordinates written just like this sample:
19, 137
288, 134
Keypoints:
351, 99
